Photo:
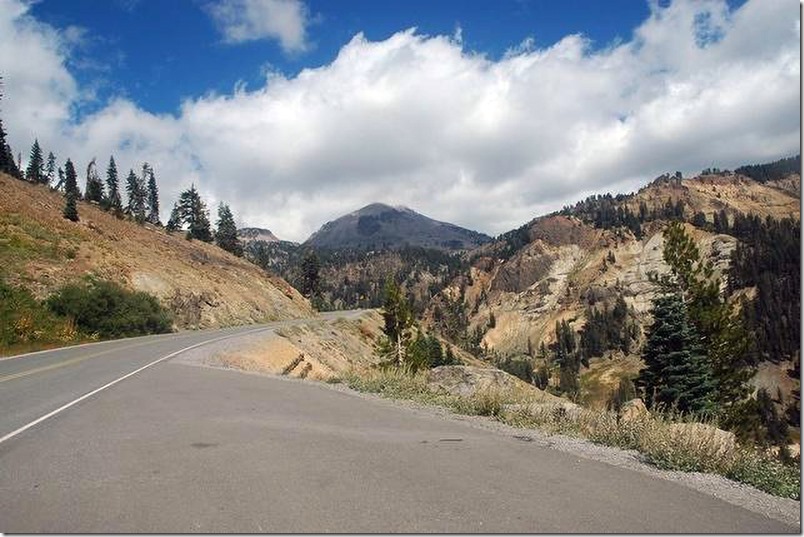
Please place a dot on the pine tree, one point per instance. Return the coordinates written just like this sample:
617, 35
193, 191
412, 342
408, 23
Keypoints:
35, 172
50, 168
193, 212
723, 337
676, 372
226, 233
60, 184
310, 279
153, 194
71, 193
7, 164
398, 320
176, 220
136, 197
94, 190
113, 202
568, 359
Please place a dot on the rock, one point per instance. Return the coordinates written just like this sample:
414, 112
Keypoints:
723, 441
633, 409
465, 380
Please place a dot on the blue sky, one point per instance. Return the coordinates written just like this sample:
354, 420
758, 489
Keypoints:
487, 115
160, 52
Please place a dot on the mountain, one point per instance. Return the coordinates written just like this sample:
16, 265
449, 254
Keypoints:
382, 227
251, 234
201, 284
589, 265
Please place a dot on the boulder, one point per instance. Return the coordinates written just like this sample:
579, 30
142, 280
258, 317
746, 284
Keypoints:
723, 441
632, 410
465, 380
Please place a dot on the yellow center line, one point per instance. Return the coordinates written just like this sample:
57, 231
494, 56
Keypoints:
76, 360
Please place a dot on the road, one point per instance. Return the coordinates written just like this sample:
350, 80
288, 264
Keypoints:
180, 448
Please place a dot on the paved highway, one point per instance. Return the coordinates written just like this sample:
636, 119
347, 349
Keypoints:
180, 448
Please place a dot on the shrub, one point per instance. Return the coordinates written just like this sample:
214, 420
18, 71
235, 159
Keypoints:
24, 320
108, 310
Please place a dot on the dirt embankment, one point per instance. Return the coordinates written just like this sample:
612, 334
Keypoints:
204, 286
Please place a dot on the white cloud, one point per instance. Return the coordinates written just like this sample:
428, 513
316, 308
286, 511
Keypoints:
250, 20
419, 121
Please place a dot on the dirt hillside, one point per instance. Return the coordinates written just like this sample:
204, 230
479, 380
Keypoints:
201, 284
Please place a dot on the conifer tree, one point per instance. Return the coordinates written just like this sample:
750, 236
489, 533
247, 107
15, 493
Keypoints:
113, 202
718, 324
176, 220
676, 372
153, 194
310, 279
71, 193
60, 184
35, 172
94, 190
50, 169
193, 212
136, 197
7, 164
398, 320
226, 233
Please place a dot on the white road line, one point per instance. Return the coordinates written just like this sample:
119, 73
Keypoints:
124, 377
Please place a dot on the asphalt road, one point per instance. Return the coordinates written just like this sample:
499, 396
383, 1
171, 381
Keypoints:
180, 448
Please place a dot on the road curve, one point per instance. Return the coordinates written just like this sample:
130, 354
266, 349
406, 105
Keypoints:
178, 448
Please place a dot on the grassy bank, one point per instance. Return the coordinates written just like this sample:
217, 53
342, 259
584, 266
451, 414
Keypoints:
662, 439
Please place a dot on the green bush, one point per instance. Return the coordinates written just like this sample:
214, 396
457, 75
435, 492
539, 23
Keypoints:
25, 321
108, 310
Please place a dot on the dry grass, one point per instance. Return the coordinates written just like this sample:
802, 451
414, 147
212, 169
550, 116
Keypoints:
663, 439
201, 284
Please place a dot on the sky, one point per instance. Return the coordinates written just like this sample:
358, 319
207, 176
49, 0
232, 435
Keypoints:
483, 113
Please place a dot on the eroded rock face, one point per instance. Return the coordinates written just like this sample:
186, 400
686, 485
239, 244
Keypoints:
465, 380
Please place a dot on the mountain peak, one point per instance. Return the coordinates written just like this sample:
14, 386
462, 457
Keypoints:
382, 226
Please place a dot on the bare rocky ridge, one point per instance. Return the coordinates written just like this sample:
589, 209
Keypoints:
566, 265
251, 234
378, 226
204, 286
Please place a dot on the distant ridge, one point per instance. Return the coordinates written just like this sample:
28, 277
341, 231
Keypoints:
379, 226
251, 234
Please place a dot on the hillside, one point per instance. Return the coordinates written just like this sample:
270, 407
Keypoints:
378, 226
202, 285
251, 234
596, 254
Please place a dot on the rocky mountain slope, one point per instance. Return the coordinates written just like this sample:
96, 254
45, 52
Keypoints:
251, 234
378, 226
201, 284
590, 257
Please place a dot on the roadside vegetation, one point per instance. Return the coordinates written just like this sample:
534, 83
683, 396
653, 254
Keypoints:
668, 440
89, 310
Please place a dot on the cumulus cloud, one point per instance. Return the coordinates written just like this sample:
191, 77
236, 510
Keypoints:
420, 121
250, 20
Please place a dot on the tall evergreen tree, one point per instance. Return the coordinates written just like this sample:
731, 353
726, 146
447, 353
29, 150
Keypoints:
35, 172
136, 197
310, 278
676, 372
7, 164
62, 179
568, 359
398, 321
193, 212
717, 323
94, 190
226, 233
71, 193
50, 168
176, 219
153, 194
113, 202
